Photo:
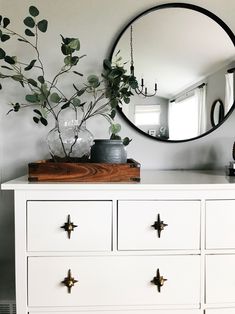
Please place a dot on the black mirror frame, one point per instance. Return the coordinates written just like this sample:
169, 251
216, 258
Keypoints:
209, 14
221, 112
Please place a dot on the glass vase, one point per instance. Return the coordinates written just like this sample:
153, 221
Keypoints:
70, 142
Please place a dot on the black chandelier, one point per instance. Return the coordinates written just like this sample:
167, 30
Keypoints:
143, 90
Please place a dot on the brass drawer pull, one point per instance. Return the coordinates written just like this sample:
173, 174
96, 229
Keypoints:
69, 226
159, 225
69, 281
158, 280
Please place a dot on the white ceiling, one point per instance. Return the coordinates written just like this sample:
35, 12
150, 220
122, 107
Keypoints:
176, 48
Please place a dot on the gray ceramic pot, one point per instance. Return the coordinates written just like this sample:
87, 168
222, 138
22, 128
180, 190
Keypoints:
108, 151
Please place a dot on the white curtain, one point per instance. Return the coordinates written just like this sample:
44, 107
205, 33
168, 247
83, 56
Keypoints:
202, 116
229, 91
183, 118
187, 115
171, 121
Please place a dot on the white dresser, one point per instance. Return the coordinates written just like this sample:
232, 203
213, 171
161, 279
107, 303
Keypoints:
165, 245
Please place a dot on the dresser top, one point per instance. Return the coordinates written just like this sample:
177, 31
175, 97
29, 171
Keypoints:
150, 179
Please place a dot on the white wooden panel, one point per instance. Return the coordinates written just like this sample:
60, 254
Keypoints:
220, 279
114, 280
221, 311
220, 222
131, 312
135, 219
93, 220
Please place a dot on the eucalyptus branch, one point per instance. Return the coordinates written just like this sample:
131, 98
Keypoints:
20, 36
37, 51
26, 64
56, 77
105, 93
57, 89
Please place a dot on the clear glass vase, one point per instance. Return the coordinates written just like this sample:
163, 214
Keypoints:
70, 142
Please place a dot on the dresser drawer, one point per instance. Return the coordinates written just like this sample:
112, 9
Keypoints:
220, 279
220, 222
138, 223
45, 219
112, 280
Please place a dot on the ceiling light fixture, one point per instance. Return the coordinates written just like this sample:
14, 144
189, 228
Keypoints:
143, 90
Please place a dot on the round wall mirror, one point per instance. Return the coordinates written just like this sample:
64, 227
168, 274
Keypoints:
183, 57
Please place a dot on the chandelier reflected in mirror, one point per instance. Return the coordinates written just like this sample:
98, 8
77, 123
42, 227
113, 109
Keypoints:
143, 89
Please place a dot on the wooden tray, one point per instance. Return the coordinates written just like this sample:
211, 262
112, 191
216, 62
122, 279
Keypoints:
48, 170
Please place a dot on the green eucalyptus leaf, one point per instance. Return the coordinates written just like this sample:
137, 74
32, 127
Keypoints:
74, 60
81, 92
126, 141
45, 90
114, 103
76, 102
5, 22
41, 97
133, 82
112, 114
32, 98
29, 22
74, 44
55, 98
5, 37
67, 60
33, 11
2, 53
16, 107
117, 72
66, 50
115, 128
78, 73
0, 19
0, 33
64, 39
75, 87
66, 105
23, 40
43, 121
18, 77
21, 83
32, 82
107, 64
126, 100
115, 137
28, 32
41, 79
9, 60
42, 26
38, 112
0, 86
35, 119
93, 80
5, 67
30, 66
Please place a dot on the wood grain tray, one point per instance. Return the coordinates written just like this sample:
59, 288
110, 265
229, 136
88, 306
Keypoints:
48, 170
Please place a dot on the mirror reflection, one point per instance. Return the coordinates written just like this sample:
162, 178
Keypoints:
217, 112
183, 60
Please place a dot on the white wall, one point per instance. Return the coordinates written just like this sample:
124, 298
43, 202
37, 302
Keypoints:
96, 23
